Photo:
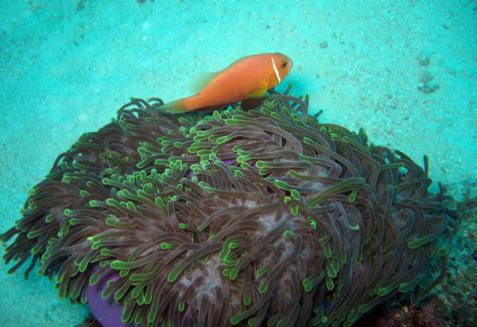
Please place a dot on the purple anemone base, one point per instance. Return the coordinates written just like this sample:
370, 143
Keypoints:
106, 311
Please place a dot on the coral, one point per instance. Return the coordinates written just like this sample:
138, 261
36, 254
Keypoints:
458, 292
260, 217
405, 314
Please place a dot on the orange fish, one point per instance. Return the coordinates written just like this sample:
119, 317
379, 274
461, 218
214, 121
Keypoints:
247, 78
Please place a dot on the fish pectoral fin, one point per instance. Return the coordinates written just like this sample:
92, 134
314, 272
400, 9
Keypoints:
258, 93
202, 81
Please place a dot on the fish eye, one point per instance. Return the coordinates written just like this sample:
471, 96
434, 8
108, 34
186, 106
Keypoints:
284, 64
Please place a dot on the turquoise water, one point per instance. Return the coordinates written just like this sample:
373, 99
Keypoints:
406, 71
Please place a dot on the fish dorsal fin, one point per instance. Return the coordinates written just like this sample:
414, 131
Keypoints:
202, 81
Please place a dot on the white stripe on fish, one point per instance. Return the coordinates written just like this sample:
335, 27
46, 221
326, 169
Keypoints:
276, 70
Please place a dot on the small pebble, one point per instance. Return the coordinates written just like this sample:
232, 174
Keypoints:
324, 45
426, 77
423, 61
429, 87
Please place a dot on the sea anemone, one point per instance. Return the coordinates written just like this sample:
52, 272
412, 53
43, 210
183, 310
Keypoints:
264, 217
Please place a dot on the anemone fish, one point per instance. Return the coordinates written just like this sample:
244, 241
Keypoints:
248, 78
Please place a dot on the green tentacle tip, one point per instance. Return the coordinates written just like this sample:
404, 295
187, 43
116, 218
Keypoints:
295, 210
312, 224
217, 115
261, 164
251, 321
282, 185
308, 284
236, 319
212, 237
83, 264
96, 245
224, 253
226, 272
383, 291
127, 312
229, 261
332, 271
183, 226
94, 278
247, 299
245, 165
261, 271
105, 294
159, 202
112, 221
366, 307
67, 212
119, 294
243, 158
263, 287
62, 232
119, 264
94, 203
238, 173
405, 287
418, 242
352, 196
355, 228
50, 217
36, 249
181, 307
223, 139
34, 233
73, 221
138, 319
151, 316
165, 246
174, 274
329, 284
328, 252
233, 273
178, 144
112, 202
131, 206
295, 195
107, 181
233, 245
137, 291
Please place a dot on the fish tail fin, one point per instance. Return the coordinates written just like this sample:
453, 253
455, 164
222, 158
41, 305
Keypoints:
174, 107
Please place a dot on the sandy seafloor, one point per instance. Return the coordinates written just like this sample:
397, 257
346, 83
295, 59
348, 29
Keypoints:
406, 71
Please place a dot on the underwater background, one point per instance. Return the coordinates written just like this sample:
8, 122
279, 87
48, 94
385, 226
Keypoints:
405, 71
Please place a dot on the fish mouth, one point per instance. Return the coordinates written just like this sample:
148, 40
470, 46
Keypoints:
290, 64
